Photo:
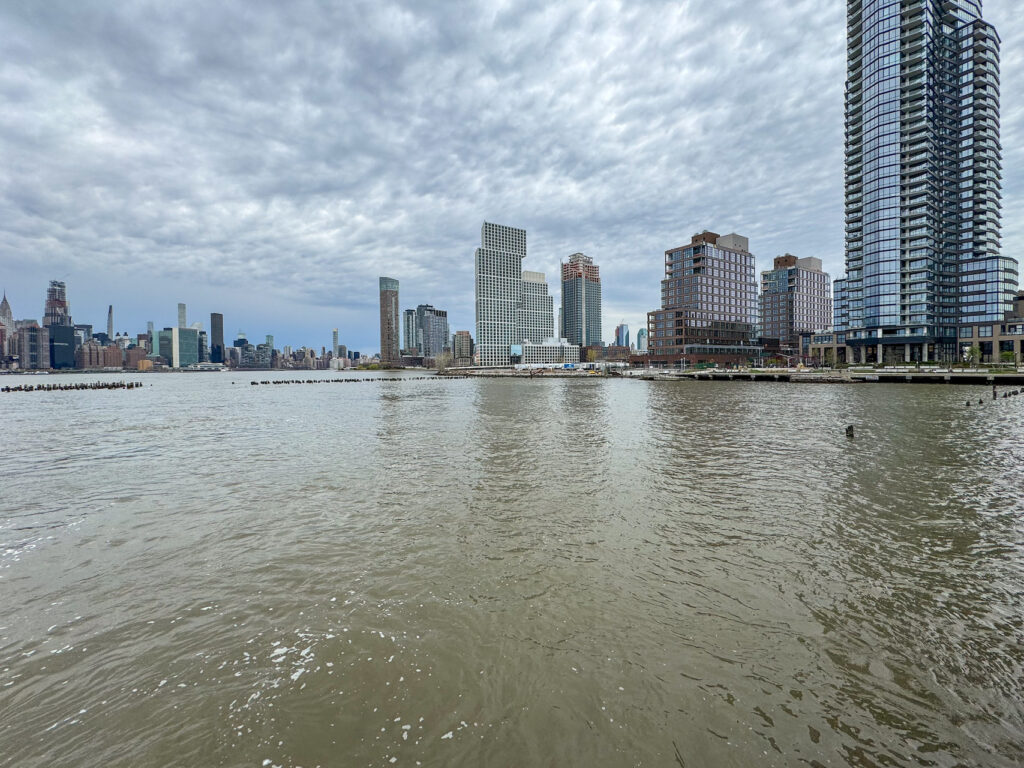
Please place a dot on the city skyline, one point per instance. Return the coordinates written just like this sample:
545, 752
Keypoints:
156, 205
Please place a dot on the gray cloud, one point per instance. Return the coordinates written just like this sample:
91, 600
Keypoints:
270, 160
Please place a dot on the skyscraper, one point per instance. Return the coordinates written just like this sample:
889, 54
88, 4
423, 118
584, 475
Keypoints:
216, 337
796, 296
184, 347
6, 324
57, 311
622, 335
641, 340
334, 344
182, 321
708, 302
581, 301
390, 347
535, 316
923, 180
498, 268
60, 329
431, 330
410, 332
110, 321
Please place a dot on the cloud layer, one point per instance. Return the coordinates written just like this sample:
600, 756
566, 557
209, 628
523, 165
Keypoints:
271, 160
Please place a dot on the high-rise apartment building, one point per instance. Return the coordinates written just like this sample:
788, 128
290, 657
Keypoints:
217, 338
498, 268
923, 180
536, 314
410, 333
462, 349
431, 330
581, 301
796, 296
708, 302
390, 342
110, 321
334, 344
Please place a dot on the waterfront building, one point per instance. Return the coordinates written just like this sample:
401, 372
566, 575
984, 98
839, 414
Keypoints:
182, 316
581, 301
796, 296
133, 356
184, 347
264, 355
113, 357
641, 341
89, 355
390, 352
549, 351
535, 315
62, 346
32, 345
410, 333
431, 331
708, 308
216, 337
498, 268
622, 335
462, 349
923, 181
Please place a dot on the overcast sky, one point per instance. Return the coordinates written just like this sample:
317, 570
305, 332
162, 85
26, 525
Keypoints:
270, 160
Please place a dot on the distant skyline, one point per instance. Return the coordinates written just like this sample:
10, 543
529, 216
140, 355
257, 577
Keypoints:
270, 162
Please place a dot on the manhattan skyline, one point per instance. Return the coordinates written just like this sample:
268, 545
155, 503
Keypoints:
158, 157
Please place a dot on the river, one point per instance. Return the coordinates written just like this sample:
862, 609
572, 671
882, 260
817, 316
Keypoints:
510, 573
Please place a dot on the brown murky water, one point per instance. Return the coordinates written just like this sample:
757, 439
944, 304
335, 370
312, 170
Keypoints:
598, 573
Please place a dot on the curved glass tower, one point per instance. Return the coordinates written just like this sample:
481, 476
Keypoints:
923, 179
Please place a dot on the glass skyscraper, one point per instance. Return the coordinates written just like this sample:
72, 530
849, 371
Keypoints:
923, 180
581, 301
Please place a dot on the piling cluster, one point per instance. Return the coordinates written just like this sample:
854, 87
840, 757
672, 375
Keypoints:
73, 387
995, 396
356, 381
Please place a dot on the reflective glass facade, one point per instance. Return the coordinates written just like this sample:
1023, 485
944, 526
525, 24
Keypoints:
923, 174
581, 301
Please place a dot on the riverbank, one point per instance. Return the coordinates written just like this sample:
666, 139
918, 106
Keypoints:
897, 376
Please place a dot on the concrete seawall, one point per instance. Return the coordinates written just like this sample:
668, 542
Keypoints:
843, 377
